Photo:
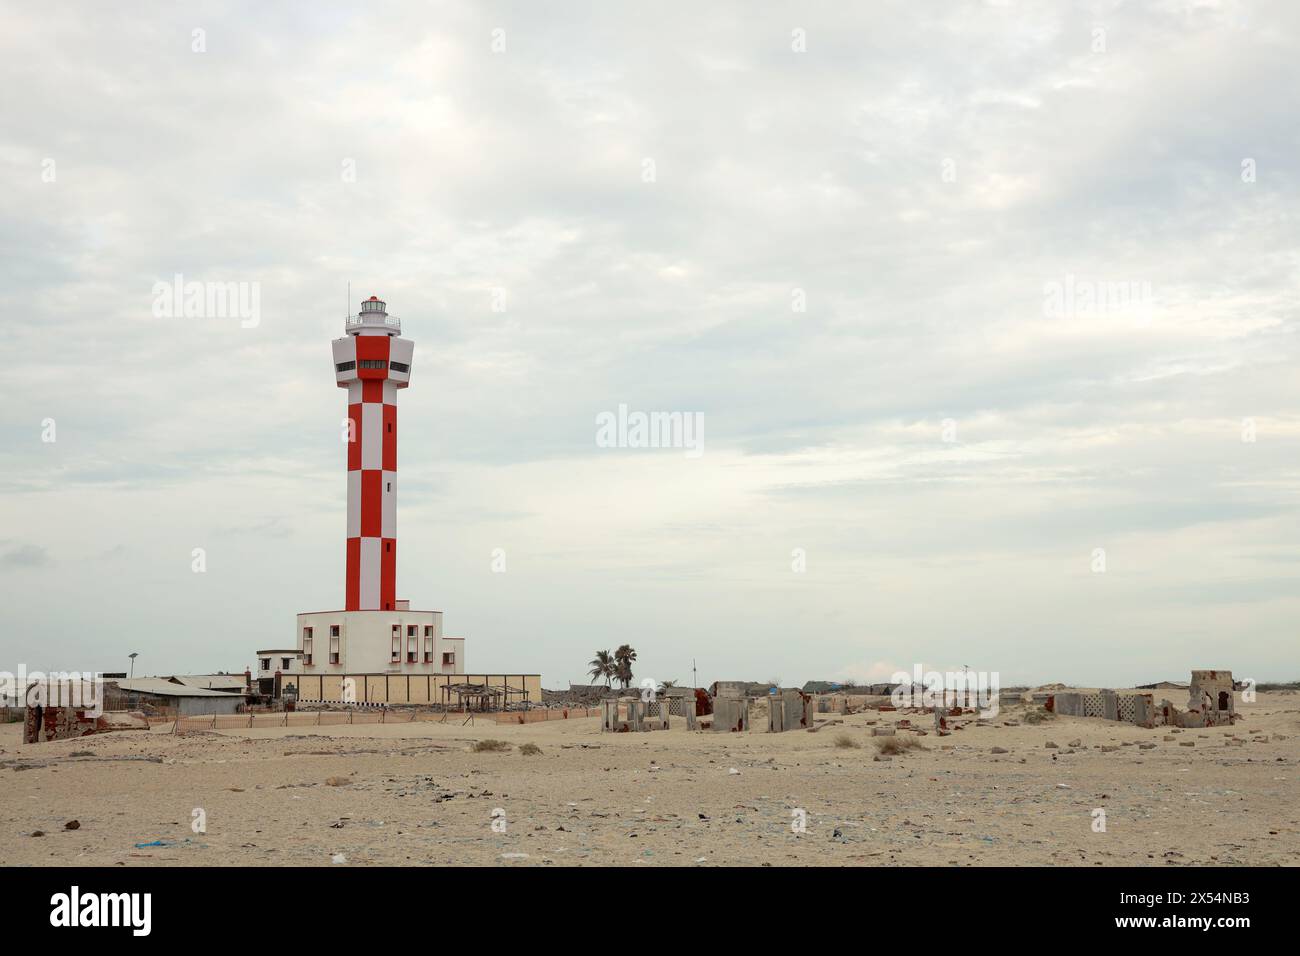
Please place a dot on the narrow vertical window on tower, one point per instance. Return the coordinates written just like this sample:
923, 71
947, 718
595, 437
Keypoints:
306, 648
428, 645
334, 645
410, 644
397, 645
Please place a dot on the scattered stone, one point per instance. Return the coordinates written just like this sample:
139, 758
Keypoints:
72, 825
882, 731
1146, 746
1051, 745
337, 781
1076, 742
999, 750
1187, 743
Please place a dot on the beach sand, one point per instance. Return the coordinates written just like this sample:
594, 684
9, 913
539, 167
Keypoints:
416, 794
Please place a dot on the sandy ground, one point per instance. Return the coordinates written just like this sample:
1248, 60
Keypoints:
419, 795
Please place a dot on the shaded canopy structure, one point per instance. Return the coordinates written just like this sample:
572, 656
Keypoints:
481, 697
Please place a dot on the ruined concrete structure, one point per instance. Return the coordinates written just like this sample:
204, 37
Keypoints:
624, 715
621, 715
790, 710
735, 712
1211, 703
1211, 699
731, 714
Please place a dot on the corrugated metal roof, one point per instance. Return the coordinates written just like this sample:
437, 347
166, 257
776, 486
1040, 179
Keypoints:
162, 687
212, 681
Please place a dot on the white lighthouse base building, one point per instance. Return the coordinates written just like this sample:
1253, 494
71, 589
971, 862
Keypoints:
379, 644
380, 658
400, 641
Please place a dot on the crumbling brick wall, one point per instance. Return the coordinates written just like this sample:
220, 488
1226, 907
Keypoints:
1211, 700
55, 723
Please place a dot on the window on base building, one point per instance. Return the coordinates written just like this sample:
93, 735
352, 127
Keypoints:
265, 663
306, 648
334, 647
284, 663
397, 645
448, 659
428, 645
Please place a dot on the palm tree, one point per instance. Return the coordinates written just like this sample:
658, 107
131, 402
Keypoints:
602, 665
623, 658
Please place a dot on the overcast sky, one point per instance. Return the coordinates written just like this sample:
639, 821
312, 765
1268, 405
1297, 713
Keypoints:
862, 240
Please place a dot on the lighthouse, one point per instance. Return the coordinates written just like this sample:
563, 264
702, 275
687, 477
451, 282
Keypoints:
372, 361
374, 648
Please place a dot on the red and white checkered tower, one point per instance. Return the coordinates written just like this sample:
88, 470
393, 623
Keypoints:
372, 362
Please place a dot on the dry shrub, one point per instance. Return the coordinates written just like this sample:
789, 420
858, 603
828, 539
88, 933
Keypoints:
490, 746
530, 749
845, 742
893, 746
